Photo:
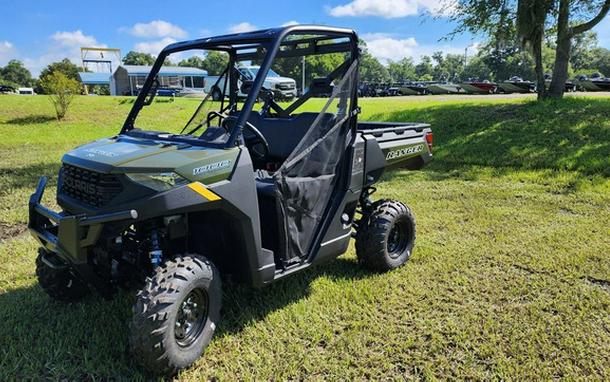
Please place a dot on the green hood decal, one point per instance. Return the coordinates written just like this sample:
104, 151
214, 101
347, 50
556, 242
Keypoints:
132, 155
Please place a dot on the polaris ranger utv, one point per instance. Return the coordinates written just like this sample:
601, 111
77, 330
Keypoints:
249, 190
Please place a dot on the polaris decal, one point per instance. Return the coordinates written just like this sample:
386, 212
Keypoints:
211, 167
108, 154
395, 154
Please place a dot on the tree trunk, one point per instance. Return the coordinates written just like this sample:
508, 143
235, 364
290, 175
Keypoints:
562, 52
537, 51
560, 70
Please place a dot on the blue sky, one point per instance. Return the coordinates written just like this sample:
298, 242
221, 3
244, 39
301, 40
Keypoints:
40, 32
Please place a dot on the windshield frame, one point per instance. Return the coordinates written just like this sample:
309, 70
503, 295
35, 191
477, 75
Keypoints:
235, 45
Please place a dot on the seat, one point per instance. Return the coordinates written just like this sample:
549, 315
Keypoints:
284, 134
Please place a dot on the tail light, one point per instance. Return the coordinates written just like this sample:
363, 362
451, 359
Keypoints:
429, 139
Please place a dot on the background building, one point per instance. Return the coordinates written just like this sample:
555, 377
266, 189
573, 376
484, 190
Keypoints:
129, 79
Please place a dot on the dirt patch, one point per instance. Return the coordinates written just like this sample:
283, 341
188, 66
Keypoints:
11, 231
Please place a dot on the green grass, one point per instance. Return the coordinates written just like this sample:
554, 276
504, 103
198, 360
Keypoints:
510, 278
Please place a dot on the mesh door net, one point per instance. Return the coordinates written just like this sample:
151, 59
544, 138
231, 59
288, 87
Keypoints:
307, 178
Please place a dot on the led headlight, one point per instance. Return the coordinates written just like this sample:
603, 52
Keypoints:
158, 181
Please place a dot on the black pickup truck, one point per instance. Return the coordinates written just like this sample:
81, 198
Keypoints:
247, 191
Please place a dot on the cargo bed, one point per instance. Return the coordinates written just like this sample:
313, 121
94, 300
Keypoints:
407, 145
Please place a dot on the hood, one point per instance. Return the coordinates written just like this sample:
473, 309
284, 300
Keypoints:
124, 154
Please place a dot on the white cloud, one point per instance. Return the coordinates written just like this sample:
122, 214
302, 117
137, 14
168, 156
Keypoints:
7, 52
241, 27
153, 47
156, 29
392, 8
386, 47
73, 39
64, 44
290, 23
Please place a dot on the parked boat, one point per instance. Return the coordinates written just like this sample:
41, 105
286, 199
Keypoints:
445, 88
413, 88
517, 85
597, 83
570, 86
603, 84
479, 87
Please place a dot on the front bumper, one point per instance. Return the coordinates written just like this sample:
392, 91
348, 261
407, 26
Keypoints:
68, 236
285, 94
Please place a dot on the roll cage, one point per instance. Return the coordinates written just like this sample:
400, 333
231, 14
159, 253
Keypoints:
272, 43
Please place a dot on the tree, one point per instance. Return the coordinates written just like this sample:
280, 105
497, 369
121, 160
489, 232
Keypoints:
371, 69
600, 60
138, 58
215, 62
61, 90
567, 19
14, 72
477, 68
424, 69
571, 12
192, 62
401, 70
448, 67
64, 66
582, 53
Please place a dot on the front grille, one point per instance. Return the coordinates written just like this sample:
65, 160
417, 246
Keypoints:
286, 85
89, 187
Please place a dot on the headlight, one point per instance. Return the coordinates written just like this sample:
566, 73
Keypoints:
158, 181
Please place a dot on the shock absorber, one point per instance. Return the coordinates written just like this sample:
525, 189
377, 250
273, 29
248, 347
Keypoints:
155, 254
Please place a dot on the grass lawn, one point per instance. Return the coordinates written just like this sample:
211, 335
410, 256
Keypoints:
510, 278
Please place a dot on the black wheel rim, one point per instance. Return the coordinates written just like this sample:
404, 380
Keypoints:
191, 318
398, 239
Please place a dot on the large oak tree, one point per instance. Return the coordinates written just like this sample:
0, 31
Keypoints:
534, 20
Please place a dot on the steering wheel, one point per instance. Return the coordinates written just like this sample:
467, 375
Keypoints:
257, 145
268, 100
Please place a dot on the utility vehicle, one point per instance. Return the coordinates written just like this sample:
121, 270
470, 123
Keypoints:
250, 191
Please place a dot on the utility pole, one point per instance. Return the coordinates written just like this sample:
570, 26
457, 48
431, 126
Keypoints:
303, 77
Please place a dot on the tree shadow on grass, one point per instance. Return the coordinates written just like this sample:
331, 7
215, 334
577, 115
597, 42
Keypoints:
570, 134
27, 176
30, 120
89, 340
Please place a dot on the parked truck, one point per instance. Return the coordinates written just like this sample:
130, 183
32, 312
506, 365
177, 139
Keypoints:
284, 88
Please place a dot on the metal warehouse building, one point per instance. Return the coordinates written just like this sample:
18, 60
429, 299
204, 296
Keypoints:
91, 79
129, 79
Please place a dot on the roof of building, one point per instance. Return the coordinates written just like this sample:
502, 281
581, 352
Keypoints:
90, 78
165, 71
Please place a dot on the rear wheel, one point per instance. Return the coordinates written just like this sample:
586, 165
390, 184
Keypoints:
58, 282
175, 314
386, 236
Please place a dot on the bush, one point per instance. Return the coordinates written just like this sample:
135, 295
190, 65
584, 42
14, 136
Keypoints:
61, 91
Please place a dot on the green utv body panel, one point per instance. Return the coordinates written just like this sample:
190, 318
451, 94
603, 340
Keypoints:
133, 155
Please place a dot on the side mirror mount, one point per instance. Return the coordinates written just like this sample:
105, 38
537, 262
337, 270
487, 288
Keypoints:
246, 86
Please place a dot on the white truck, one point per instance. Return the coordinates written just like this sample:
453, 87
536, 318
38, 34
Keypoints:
283, 88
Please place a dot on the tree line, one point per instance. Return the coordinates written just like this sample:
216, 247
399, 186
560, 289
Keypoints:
524, 38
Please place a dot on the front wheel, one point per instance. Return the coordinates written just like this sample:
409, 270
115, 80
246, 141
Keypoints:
57, 280
386, 236
175, 314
